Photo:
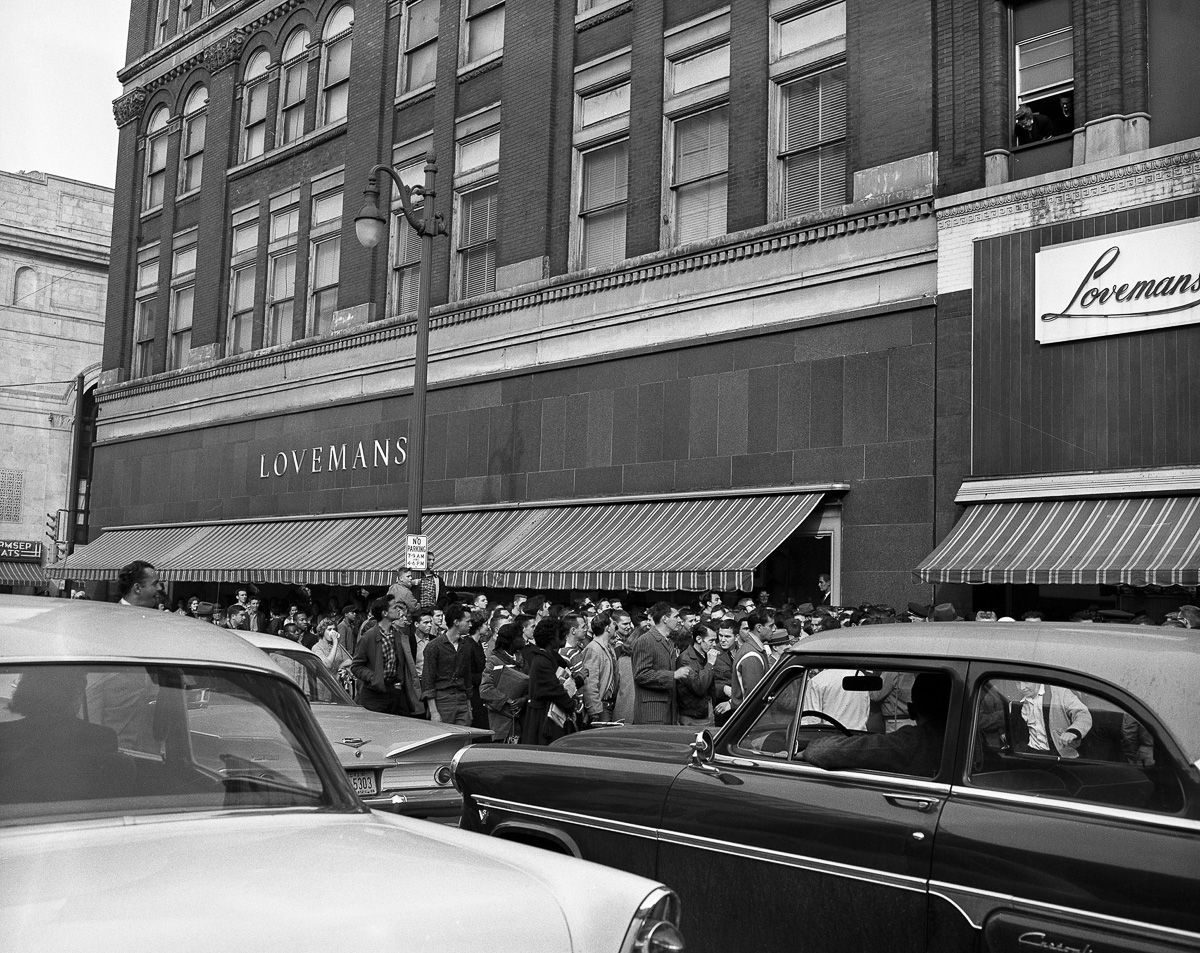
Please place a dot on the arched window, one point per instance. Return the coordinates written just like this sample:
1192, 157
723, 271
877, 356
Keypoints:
254, 106
192, 163
156, 159
293, 84
24, 287
335, 86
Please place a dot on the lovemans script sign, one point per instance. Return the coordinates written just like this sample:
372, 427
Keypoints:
1118, 284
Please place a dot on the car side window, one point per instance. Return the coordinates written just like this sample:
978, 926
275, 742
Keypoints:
1054, 739
767, 736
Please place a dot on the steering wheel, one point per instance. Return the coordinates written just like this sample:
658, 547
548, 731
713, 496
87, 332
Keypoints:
829, 718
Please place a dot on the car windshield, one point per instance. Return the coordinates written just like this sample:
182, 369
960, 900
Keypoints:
81, 740
310, 673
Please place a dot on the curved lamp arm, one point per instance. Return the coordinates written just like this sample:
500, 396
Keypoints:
370, 225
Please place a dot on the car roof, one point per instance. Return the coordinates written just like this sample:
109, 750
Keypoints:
37, 628
1158, 666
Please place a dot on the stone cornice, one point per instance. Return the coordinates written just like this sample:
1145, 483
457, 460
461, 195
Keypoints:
768, 239
953, 211
243, 18
77, 250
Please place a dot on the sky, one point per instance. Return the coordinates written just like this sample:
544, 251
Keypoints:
58, 77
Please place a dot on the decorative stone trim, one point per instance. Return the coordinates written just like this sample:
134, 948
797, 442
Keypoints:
1123, 177
604, 16
768, 239
128, 108
481, 69
224, 52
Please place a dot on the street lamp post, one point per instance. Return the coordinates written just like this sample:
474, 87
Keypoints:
371, 226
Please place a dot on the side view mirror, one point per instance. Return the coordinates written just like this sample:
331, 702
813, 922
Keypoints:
702, 748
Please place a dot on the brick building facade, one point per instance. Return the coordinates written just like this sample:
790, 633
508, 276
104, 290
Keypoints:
693, 249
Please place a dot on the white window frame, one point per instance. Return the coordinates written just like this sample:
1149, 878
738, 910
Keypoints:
183, 282
408, 49
280, 245
593, 79
258, 74
194, 114
329, 41
185, 10
683, 43
324, 188
164, 22
471, 132
243, 221
141, 358
487, 8
157, 131
293, 63
404, 247
787, 67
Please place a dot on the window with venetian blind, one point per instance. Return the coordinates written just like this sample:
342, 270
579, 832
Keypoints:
477, 241
602, 206
700, 175
808, 70
813, 142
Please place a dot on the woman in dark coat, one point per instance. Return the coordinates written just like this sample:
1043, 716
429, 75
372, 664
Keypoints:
504, 710
544, 687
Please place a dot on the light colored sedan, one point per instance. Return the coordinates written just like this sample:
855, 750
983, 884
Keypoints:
165, 786
395, 763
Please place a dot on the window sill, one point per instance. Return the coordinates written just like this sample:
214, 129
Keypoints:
285, 152
153, 210
601, 12
414, 95
471, 70
185, 196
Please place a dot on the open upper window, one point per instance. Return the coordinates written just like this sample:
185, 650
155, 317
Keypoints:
418, 44
1044, 70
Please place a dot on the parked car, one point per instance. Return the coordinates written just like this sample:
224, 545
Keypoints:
395, 763
1051, 802
165, 786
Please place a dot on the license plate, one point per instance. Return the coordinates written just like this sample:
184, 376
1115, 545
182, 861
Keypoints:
363, 781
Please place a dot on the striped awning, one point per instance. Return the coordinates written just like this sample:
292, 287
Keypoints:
685, 543
13, 573
1147, 541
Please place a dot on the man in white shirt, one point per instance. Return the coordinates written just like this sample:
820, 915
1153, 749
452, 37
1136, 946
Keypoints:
824, 693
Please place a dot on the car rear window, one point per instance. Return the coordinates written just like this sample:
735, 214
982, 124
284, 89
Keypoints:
95, 739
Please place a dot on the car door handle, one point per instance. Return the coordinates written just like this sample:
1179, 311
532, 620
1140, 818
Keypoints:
911, 802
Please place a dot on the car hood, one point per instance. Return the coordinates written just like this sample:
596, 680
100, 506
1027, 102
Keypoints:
378, 736
670, 743
298, 882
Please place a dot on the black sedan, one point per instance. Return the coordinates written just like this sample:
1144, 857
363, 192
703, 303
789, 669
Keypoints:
904, 788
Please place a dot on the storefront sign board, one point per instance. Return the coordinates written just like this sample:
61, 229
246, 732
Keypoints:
21, 550
1118, 284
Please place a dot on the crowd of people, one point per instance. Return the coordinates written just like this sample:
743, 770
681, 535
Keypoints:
531, 670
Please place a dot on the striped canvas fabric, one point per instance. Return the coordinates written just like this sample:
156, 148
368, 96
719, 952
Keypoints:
1148, 541
691, 544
